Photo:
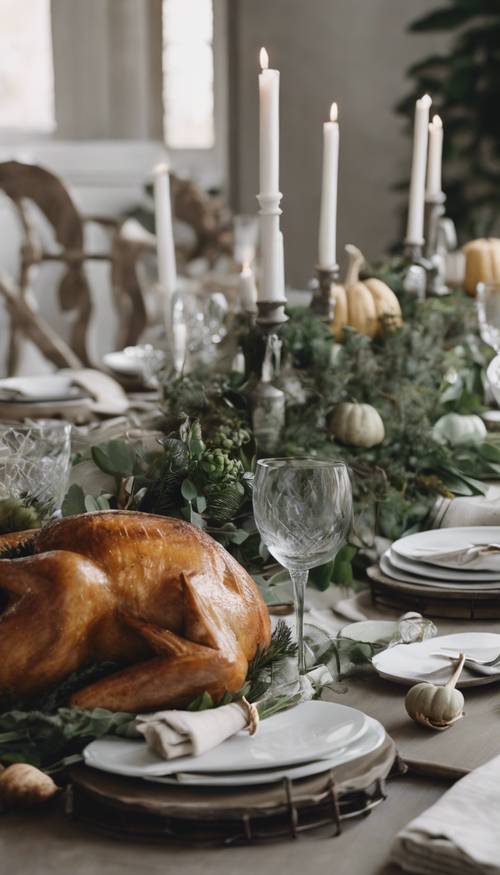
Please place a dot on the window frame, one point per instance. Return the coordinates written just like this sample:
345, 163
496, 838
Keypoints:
209, 167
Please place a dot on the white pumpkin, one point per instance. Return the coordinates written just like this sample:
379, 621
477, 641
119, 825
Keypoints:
357, 425
436, 707
459, 430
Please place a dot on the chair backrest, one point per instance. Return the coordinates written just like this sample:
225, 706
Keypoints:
29, 182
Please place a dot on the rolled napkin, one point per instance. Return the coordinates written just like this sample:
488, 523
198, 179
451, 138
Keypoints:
474, 510
459, 834
172, 734
473, 557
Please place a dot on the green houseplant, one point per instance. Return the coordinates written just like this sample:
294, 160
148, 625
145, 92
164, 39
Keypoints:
464, 84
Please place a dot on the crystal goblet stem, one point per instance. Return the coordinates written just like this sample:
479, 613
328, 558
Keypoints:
299, 580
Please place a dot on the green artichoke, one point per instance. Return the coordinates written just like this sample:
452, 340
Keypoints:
230, 437
218, 466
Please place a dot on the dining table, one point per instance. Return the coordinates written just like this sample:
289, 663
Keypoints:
47, 840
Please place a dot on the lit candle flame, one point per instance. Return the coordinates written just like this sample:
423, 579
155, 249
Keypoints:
264, 58
436, 121
425, 100
334, 112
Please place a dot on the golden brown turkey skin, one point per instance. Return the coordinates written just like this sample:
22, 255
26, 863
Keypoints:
153, 592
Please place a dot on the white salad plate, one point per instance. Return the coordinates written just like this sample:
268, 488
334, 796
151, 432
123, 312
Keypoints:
367, 743
391, 565
311, 730
421, 546
422, 661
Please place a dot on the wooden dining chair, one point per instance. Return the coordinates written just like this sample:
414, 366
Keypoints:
25, 183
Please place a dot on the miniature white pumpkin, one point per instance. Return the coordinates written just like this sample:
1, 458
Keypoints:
438, 706
456, 429
357, 425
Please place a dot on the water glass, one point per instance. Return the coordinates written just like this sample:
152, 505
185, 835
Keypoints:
488, 313
303, 511
34, 464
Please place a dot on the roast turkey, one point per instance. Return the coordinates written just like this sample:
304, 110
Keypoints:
154, 594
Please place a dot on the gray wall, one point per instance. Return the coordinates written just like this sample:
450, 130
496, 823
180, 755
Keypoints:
352, 51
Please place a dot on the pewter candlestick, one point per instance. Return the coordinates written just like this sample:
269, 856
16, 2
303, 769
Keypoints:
415, 280
441, 238
323, 302
268, 402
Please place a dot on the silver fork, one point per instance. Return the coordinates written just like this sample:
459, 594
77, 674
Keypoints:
448, 651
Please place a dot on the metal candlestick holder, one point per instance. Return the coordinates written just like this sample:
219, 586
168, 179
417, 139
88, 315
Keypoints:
415, 278
441, 238
323, 302
268, 401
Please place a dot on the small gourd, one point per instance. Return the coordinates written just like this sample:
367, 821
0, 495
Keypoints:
357, 425
437, 707
459, 430
22, 786
365, 305
482, 262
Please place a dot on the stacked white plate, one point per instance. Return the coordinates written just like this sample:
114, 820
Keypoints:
306, 740
438, 560
41, 396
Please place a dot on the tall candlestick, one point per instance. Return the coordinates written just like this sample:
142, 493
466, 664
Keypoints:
167, 272
435, 159
415, 226
269, 96
248, 290
272, 285
328, 215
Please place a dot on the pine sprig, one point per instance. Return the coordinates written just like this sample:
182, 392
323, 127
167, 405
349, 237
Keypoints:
20, 550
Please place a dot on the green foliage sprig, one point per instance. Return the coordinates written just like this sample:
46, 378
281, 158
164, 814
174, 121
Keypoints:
202, 472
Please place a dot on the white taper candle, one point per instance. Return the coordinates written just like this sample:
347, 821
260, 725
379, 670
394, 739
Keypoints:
327, 247
415, 226
435, 158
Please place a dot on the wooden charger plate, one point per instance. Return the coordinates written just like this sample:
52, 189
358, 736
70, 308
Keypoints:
136, 809
431, 599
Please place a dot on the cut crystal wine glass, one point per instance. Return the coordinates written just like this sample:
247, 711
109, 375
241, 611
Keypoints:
34, 464
488, 313
303, 511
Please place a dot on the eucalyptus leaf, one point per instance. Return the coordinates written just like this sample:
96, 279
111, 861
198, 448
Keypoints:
74, 501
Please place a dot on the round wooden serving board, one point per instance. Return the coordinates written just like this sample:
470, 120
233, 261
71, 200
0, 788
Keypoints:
432, 600
136, 809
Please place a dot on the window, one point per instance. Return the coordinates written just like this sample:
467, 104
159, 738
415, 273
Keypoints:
26, 67
188, 74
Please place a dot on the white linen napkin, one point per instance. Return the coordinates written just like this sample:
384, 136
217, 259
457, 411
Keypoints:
474, 510
172, 734
459, 834
471, 557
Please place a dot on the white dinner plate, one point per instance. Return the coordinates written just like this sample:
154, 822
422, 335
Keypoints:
414, 663
392, 565
311, 730
50, 387
420, 546
124, 363
367, 743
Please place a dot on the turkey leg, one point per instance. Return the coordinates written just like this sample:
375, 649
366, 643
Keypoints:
175, 679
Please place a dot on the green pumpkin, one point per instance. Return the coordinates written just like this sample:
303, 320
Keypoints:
437, 705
